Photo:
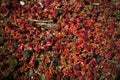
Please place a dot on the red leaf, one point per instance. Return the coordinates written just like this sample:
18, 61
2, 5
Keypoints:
20, 48
47, 60
72, 1
73, 29
49, 73
49, 42
102, 63
91, 78
47, 2
37, 5
32, 62
86, 47
55, 14
90, 22
45, 47
92, 63
81, 78
56, 54
118, 58
8, 24
66, 52
109, 55
76, 59
18, 55
67, 71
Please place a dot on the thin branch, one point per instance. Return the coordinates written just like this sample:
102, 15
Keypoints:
42, 21
51, 25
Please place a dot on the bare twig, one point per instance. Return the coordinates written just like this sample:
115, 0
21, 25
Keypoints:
44, 24
51, 25
43, 21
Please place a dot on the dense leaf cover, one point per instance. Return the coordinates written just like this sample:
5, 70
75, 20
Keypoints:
85, 44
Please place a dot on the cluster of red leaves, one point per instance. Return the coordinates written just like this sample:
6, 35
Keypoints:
78, 49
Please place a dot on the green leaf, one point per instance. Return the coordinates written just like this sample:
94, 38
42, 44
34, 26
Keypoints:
117, 14
108, 41
117, 77
41, 58
75, 15
60, 11
3, 48
90, 7
69, 65
89, 35
83, 11
15, 75
42, 77
13, 63
107, 10
1, 39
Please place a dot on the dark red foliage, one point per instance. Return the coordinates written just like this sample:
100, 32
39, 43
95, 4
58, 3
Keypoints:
65, 39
